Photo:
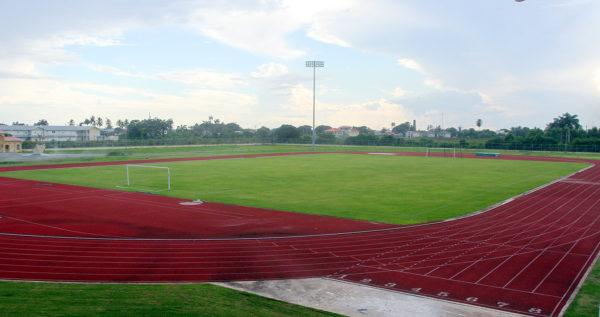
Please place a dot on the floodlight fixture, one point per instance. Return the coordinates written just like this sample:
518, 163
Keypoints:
314, 65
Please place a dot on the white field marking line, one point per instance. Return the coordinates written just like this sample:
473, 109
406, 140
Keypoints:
53, 193
386, 252
514, 239
445, 238
568, 251
174, 207
457, 242
324, 245
472, 234
379, 270
53, 227
562, 234
174, 265
580, 182
498, 257
313, 273
206, 254
555, 209
590, 267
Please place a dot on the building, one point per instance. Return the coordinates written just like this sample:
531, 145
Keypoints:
53, 133
337, 132
344, 131
10, 143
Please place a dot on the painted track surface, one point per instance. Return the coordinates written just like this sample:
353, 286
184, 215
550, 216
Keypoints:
525, 256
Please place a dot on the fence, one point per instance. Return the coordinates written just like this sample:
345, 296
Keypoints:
359, 141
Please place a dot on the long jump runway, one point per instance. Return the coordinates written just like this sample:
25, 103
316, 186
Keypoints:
527, 256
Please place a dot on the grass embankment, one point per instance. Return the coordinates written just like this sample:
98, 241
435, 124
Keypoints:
393, 189
59, 299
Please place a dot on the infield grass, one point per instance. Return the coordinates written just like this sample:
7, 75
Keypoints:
392, 189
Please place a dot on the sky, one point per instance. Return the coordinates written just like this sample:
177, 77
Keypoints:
444, 63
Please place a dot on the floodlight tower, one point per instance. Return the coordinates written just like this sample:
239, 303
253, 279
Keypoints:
314, 65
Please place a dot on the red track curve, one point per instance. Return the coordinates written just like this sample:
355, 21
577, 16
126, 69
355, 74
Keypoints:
525, 256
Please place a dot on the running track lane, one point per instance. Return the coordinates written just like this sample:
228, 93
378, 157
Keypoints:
526, 256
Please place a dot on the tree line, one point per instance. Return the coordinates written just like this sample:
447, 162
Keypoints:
563, 132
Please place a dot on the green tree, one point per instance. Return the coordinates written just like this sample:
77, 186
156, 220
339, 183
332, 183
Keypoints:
287, 133
41, 122
321, 129
263, 133
402, 128
305, 130
565, 121
478, 123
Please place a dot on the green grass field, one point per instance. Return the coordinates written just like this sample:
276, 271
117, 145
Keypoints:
63, 299
393, 189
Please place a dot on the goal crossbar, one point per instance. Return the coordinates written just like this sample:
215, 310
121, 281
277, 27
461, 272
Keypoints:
148, 166
450, 150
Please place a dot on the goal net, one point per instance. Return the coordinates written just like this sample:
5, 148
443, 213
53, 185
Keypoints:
440, 152
148, 178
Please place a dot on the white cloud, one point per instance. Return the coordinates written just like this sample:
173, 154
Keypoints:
318, 33
270, 69
371, 113
118, 72
398, 92
411, 64
58, 101
203, 78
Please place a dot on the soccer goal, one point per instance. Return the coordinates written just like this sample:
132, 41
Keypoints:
440, 152
148, 178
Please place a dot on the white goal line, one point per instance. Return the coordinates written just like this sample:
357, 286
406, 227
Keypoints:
148, 166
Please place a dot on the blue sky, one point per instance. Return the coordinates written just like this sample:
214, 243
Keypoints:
508, 63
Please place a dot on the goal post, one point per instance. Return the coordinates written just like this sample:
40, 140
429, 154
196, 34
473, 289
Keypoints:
443, 150
152, 179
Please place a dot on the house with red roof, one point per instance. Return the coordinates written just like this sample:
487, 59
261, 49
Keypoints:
10, 143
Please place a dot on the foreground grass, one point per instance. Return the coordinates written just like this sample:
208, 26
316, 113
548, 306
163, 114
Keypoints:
587, 302
58, 299
393, 189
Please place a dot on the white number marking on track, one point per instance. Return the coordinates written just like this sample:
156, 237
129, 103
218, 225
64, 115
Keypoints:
416, 290
390, 284
502, 304
535, 310
443, 294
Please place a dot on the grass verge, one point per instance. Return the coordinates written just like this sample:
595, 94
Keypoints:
61, 299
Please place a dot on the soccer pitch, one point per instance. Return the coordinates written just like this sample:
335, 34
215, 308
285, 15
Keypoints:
392, 189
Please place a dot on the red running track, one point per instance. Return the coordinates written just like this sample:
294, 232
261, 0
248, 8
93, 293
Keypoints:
525, 256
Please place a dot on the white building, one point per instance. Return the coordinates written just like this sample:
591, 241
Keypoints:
52, 132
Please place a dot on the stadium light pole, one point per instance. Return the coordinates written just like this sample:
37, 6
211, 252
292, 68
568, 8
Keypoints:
314, 65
